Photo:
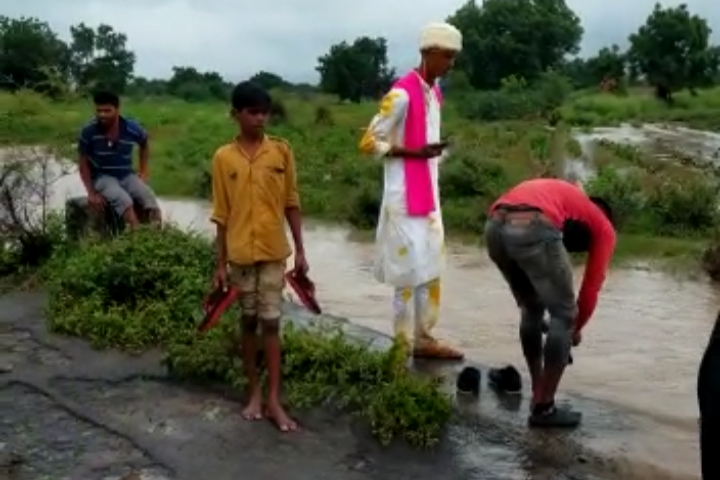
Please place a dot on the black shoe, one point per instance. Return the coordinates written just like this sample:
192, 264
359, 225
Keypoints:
550, 416
506, 379
469, 381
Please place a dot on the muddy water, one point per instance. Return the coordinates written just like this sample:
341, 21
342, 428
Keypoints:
640, 352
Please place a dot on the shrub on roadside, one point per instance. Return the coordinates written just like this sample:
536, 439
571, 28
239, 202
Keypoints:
144, 289
517, 100
664, 205
622, 191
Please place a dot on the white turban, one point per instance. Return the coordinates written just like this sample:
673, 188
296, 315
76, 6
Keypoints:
441, 35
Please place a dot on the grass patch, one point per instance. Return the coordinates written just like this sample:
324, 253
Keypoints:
143, 289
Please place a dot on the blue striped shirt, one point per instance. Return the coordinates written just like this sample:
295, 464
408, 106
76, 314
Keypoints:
110, 157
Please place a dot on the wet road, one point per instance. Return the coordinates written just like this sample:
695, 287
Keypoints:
639, 355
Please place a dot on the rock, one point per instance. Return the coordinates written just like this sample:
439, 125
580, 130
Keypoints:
81, 219
6, 367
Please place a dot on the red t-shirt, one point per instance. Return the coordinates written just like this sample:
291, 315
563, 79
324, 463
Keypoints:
560, 200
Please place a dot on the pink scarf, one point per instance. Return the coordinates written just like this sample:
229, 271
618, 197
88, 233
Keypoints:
418, 179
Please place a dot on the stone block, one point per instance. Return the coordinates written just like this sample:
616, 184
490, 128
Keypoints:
81, 219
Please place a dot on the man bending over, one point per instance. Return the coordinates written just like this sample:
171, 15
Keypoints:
529, 232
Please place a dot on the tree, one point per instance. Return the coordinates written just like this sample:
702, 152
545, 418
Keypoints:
269, 81
672, 51
607, 66
100, 58
356, 71
31, 55
522, 38
192, 85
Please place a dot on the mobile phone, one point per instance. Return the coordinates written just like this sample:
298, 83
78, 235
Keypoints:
441, 144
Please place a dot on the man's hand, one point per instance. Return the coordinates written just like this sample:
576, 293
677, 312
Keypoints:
143, 176
220, 277
96, 201
576, 338
431, 150
301, 265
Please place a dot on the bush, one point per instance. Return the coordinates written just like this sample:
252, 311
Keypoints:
29, 230
517, 100
144, 288
623, 192
683, 207
668, 206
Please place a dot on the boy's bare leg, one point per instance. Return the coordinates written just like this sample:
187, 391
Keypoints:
273, 358
248, 344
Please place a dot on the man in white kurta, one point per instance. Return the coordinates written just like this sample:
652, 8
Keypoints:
410, 249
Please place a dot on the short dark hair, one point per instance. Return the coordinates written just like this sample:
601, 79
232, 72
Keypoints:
250, 95
106, 97
604, 206
576, 235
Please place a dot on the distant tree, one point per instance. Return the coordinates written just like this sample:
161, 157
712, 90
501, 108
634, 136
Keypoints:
672, 51
141, 86
356, 71
31, 55
269, 81
608, 64
521, 38
99, 57
192, 85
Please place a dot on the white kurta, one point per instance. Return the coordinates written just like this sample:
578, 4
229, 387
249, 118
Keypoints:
410, 251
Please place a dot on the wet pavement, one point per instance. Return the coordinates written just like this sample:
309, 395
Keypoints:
71, 413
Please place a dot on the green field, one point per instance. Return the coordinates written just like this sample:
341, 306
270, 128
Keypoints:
664, 206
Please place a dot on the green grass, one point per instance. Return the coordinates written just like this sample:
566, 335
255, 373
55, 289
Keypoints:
336, 182
639, 106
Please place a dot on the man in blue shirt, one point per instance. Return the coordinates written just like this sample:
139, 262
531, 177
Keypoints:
106, 147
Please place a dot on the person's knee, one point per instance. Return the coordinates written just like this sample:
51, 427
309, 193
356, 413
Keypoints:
270, 327
532, 312
120, 201
249, 323
559, 339
141, 193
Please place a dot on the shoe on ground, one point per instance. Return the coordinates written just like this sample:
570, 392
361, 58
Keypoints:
506, 379
551, 416
468, 381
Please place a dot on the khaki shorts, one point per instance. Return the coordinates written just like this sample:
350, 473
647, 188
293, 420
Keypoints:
261, 286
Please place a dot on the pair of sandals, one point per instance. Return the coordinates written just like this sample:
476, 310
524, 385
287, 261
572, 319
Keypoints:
220, 299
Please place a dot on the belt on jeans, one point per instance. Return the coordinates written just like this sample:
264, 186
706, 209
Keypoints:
519, 214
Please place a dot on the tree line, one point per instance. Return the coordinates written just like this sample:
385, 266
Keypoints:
508, 44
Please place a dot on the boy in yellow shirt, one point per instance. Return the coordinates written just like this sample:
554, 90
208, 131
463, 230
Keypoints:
254, 190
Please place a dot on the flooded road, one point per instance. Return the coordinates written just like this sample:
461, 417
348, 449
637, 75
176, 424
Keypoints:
640, 353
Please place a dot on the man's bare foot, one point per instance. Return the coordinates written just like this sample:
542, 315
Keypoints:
253, 409
277, 414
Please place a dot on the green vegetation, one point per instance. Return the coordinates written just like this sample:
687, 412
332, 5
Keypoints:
497, 117
654, 197
144, 289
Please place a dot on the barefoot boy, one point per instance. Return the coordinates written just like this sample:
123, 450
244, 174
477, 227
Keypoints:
254, 189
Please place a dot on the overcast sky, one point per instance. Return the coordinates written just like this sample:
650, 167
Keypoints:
287, 36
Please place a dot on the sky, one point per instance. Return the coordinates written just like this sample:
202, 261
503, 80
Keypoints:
287, 36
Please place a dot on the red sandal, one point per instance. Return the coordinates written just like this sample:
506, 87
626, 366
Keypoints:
304, 288
215, 304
